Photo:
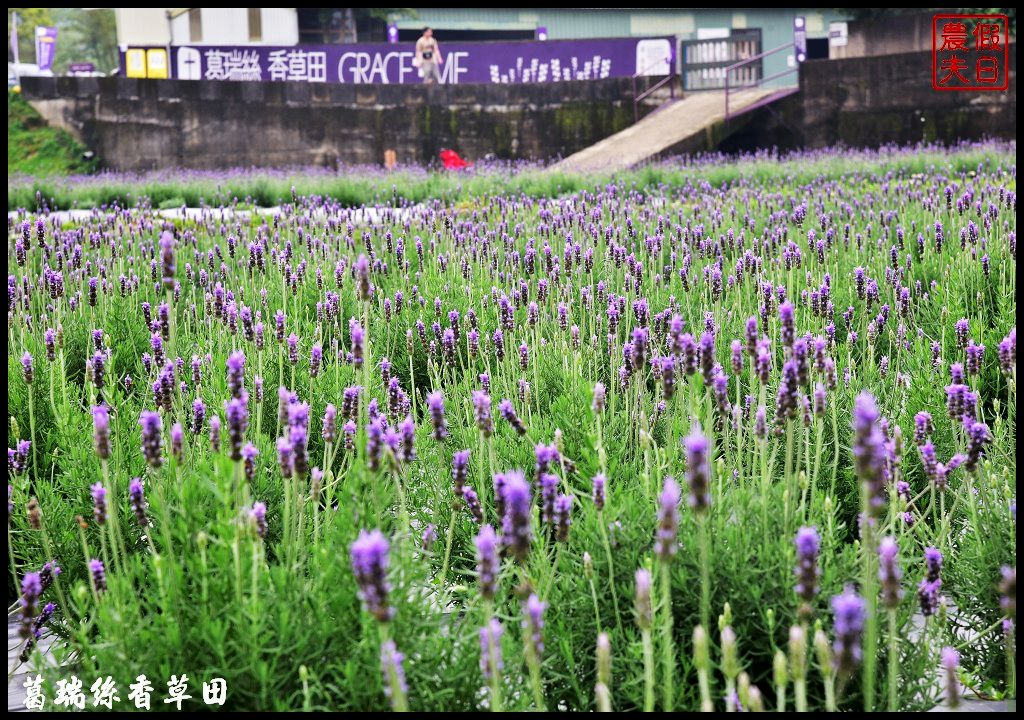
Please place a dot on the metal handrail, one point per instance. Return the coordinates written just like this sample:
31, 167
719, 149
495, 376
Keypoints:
757, 58
667, 79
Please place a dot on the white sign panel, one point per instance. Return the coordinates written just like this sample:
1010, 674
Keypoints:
653, 57
837, 34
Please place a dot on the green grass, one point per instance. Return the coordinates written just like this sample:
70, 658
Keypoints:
356, 187
34, 148
280, 618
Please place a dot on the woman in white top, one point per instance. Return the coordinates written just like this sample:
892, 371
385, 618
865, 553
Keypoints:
428, 57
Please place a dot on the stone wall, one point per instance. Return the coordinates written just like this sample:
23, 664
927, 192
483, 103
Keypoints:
898, 33
145, 124
871, 101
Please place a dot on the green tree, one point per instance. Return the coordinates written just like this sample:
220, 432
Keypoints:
86, 36
28, 19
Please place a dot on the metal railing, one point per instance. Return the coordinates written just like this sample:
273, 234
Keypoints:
704, 61
758, 78
666, 80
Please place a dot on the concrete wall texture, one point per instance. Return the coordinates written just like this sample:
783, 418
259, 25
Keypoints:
147, 124
871, 101
889, 98
911, 32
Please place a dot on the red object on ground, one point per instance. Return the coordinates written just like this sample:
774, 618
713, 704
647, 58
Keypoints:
452, 161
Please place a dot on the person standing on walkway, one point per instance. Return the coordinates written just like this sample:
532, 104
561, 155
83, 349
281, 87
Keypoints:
428, 57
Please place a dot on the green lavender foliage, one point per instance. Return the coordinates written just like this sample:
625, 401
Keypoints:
296, 605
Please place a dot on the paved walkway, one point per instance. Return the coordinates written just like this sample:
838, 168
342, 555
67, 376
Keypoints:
660, 130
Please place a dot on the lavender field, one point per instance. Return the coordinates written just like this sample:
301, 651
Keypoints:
715, 434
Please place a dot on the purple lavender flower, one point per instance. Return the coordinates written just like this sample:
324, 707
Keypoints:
482, 411
786, 400
961, 329
533, 622
460, 470
285, 457
152, 438
26, 366
490, 649
975, 357
508, 412
167, 259
516, 534
249, 455
849, 610
889, 573
808, 544
950, 665
137, 499
1008, 591
369, 554
236, 374
99, 502
698, 470
923, 427
599, 484
215, 434
978, 438
929, 589
473, 504
101, 431
31, 589
563, 518
99, 574
642, 606
786, 324
598, 403
362, 273
548, 492
435, 403
198, 416
258, 513
869, 453
177, 443
237, 415
487, 562
330, 424
1008, 352
391, 666
668, 521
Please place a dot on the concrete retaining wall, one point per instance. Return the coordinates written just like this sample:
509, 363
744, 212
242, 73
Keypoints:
145, 124
871, 101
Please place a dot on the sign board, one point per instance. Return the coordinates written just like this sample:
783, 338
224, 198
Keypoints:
800, 38
46, 46
156, 64
81, 68
134, 63
654, 57
838, 34
362, 63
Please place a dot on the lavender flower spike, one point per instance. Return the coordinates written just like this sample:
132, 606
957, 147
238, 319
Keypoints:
698, 470
369, 555
849, 609
152, 438
668, 521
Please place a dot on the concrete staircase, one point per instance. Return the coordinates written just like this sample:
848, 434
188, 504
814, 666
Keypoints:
669, 125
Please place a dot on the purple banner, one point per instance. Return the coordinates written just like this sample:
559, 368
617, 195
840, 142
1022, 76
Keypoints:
491, 62
46, 46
